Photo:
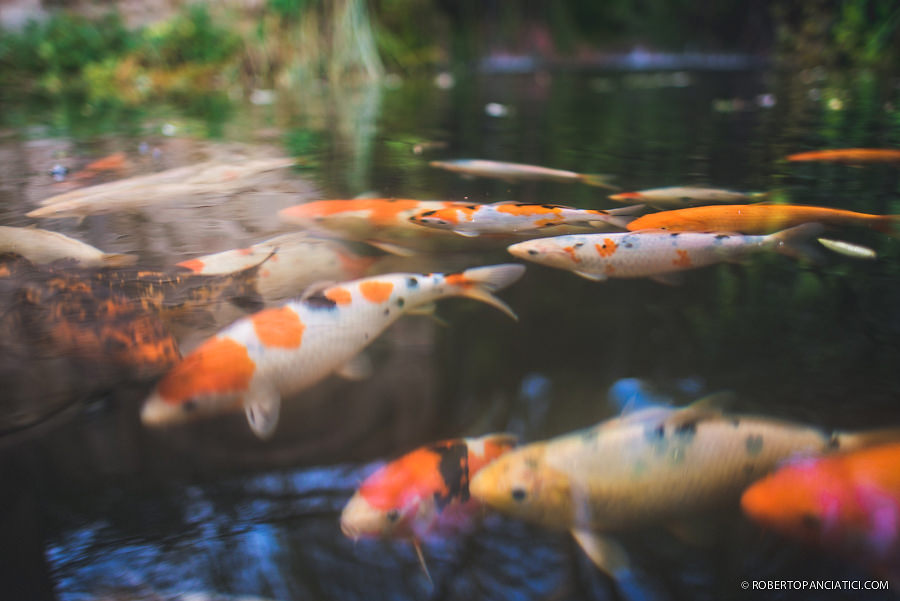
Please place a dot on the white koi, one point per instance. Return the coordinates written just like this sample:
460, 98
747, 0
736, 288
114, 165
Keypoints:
520, 171
683, 196
43, 246
278, 352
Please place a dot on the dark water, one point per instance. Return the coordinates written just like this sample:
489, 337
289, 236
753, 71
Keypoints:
96, 506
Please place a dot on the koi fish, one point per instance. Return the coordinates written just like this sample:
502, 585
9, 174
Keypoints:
115, 162
382, 222
211, 177
654, 254
292, 262
651, 467
679, 196
43, 246
519, 218
424, 493
757, 219
849, 155
278, 352
848, 503
519, 171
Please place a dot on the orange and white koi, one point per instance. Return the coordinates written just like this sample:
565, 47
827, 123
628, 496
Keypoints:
423, 493
650, 467
278, 352
652, 253
849, 155
680, 196
519, 218
848, 504
519, 171
292, 262
757, 219
382, 222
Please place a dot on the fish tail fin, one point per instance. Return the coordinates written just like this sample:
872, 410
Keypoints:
852, 441
480, 283
600, 180
118, 260
422, 563
794, 242
888, 224
619, 218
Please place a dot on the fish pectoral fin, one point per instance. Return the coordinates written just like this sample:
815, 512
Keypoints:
422, 563
669, 279
604, 552
848, 249
357, 368
262, 406
466, 234
394, 249
427, 310
594, 277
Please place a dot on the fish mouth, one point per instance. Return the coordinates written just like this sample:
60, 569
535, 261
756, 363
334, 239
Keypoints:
349, 531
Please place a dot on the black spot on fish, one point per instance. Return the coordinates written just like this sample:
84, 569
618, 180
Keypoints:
629, 245
400, 302
580, 244
657, 433
472, 207
834, 442
189, 406
532, 252
687, 429
754, 444
454, 471
675, 234
412, 282
393, 515
735, 422
427, 213
722, 236
519, 494
319, 301
549, 206
387, 312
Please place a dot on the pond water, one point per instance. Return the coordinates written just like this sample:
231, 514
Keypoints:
96, 506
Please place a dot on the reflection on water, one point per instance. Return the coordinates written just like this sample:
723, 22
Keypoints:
112, 510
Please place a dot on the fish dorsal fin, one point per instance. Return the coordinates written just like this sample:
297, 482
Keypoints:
262, 405
604, 552
708, 407
359, 367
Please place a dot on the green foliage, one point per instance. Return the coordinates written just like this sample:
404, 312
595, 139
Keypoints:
192, 37
288, 9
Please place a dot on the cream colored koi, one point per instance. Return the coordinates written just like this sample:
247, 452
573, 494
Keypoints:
44, 246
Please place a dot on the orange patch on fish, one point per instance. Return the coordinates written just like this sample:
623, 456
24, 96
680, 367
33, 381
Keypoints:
245, 251
220, 365
607, 249
340, 296
458, 279
527, 209
376, 292
683, 260
570, 250
195, 265
279, 327
412, 474
382, 211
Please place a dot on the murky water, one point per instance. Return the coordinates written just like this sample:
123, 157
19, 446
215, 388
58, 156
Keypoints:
101, 507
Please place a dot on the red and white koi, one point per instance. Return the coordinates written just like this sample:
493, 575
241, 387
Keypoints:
519, 171
382, 222
423, 493
278, 352
505, 218
653, 253
292, 262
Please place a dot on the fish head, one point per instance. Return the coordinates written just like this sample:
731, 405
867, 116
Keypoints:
209, 381
521, 484
560, 252
397, 500
800, 500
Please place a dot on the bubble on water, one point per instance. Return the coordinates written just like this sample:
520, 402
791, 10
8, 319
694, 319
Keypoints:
765, 101
495, 109
168, 129
444, 80
835, 104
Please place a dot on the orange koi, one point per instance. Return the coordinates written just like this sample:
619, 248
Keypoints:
256, 361
849, 155
757, 219
849, 504
115, 163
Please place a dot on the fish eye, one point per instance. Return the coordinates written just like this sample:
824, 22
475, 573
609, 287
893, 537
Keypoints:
580, 244
519, 494
393, 515
189, 406
532, 252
